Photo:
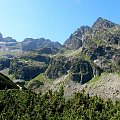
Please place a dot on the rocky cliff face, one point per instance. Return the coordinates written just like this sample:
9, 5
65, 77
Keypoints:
75, 41
77, 69
27, 44
101, 43
103, 23
101, 32
26, 67
31, 44
7, 39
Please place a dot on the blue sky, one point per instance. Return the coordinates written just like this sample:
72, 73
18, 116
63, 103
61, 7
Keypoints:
53, 19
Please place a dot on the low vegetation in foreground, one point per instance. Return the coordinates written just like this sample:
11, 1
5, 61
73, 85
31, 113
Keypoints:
27, 105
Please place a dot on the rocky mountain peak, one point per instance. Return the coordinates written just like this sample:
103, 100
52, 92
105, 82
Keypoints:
75, 40
31, 44
101, 22
1, 36
6, 39
9, 39
82, 30
99, 33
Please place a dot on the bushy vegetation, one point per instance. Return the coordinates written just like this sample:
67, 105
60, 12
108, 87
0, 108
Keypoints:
27, 105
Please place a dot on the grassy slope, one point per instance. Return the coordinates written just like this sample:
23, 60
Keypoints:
6, 82
40, 83
5, 72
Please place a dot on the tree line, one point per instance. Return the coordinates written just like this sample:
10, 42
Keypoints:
27, 105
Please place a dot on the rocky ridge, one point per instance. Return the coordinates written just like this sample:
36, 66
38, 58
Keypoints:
10, 44
95, 51
86, 55
101, 32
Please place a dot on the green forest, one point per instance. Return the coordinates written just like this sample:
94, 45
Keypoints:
27, 105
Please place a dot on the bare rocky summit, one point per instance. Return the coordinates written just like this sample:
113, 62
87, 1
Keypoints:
89, 60
102, 31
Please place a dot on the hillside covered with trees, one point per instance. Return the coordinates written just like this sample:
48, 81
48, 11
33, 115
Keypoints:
27, 105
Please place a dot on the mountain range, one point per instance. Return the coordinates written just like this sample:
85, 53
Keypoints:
10, 44
89, 59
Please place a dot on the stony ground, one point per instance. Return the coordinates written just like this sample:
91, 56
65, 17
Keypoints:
106, 86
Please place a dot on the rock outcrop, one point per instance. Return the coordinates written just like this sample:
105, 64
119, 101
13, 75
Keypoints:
8, 43
79, 70
103, 23
102, 32
32, 44
75, 41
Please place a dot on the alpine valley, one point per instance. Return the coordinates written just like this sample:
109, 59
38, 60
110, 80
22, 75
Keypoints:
89, 61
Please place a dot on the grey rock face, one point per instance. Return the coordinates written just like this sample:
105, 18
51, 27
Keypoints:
27, 44
57, 68
101, 22
102, 31
81, 71
1, 38
9, 39
73, 42
31, 44
48, 50
76, 39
